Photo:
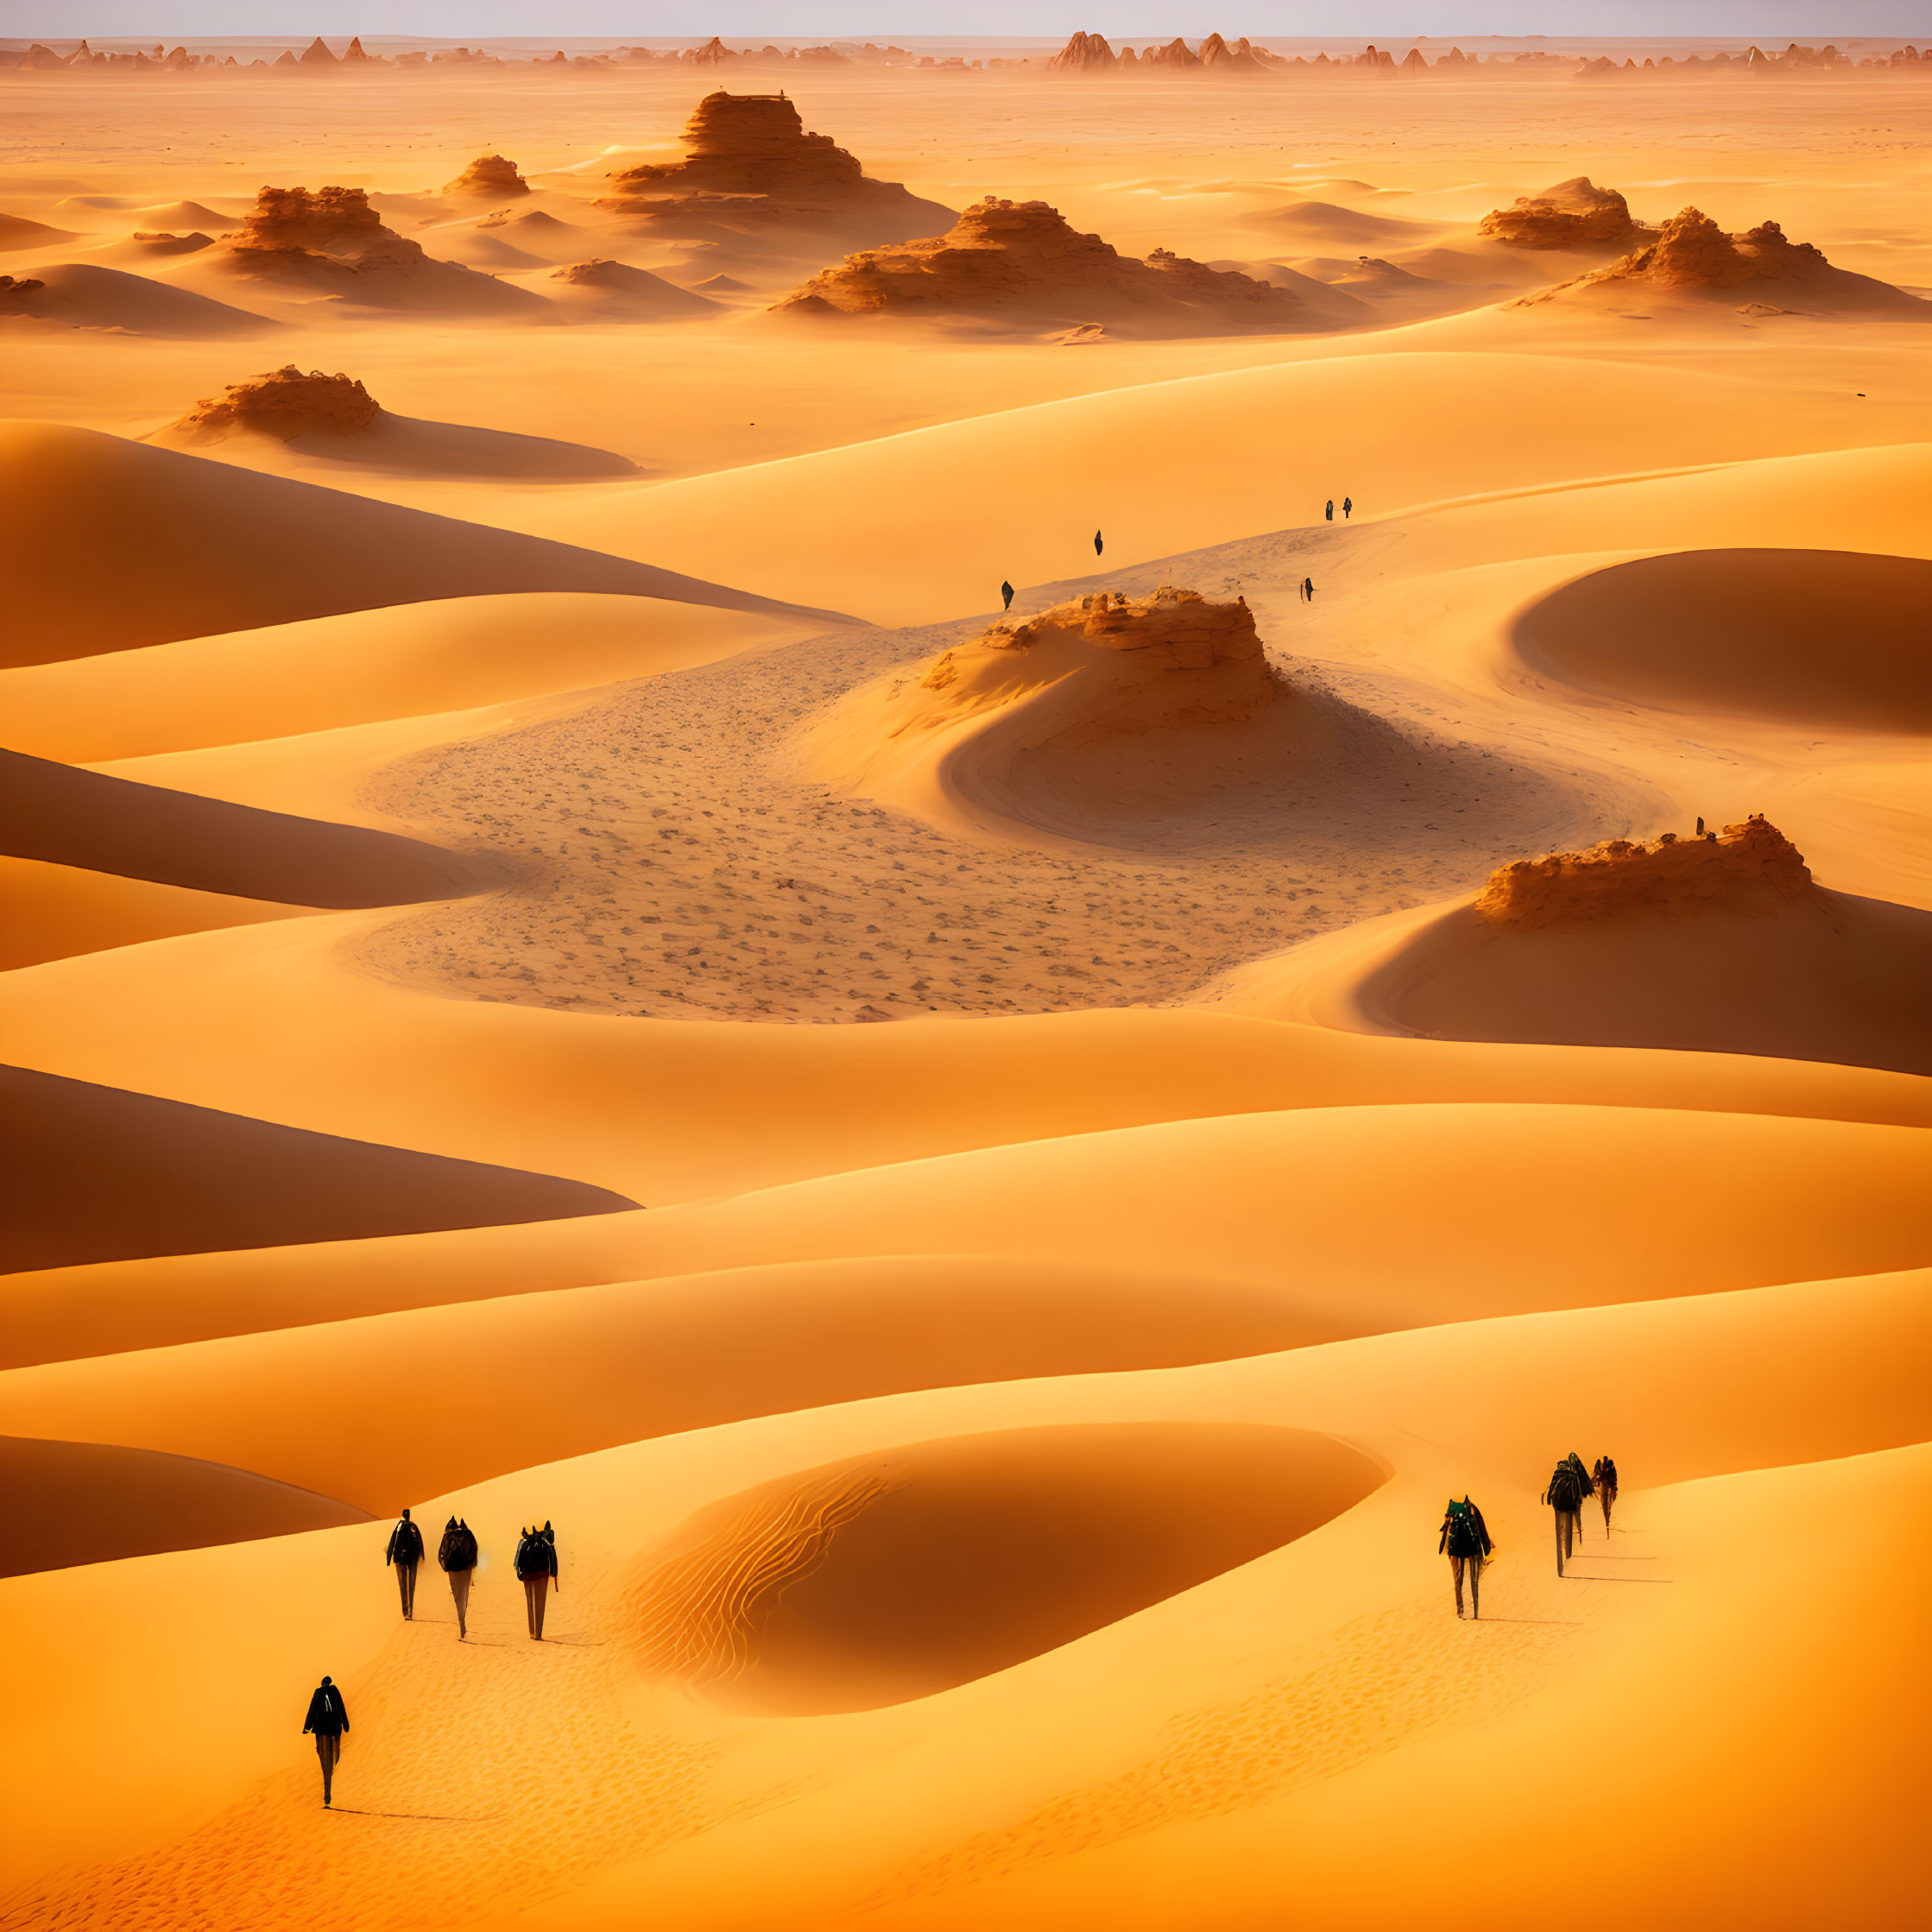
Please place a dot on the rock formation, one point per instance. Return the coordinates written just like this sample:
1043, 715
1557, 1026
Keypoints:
1750, 869
1692, 256
491, 175
1574, 214
333, 240
753, 167
1022, 259
1083, 54
283, 403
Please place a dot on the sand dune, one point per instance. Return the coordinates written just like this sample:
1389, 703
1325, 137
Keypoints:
320, 673
17, 232
106, 1174
1321, 224
78, 497
75, 1503
1828, 636
641, 1359
86, 295
894, 1577
614, 291
60, 816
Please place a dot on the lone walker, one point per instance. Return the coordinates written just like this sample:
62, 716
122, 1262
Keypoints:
406, 1551
1465, 1542
457, 1553
328, 1719
536, 1569
1005, 596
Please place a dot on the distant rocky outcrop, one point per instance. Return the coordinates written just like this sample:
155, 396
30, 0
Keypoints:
1750, 869
332, 240
1083, 54
490, 176
1021, 258
753, 167
1692, 256
283, 403
1574, 214
1090, 54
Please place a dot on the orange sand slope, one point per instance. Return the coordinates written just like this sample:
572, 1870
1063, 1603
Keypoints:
1347, 914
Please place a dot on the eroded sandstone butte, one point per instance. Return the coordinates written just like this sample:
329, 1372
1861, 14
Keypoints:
1021, 258
490, 176
283, 403
1574, 214
1750, 869
752, 165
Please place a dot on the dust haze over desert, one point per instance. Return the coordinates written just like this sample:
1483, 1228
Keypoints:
863, 891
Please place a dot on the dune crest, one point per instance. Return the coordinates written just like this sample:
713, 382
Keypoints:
1023, 257
894, 1577
1750, 869
89, 295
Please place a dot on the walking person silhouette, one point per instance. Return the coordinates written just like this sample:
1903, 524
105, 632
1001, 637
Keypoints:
328, 1719
406, 1551
1330, 512
1604, 1477
1098, 544
458, 1555
1465, 1542
1308, 589
1347, 508
536, 1569
1005, 596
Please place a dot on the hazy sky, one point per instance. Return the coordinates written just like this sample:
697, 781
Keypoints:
1763, 19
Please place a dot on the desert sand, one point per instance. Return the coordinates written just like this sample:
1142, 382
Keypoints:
980, 857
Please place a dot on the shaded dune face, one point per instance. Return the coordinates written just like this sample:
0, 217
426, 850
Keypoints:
99, 1174
896, 1576
71, 1503
86, 295
61, 816
1804, 636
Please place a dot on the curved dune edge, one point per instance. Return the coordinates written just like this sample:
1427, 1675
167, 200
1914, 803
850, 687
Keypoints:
641, 1359
58, 815
112, 533
893, 1577
362, 666
1272, 1200
1805, 637
1740, 1388
104, 1175
82, 1503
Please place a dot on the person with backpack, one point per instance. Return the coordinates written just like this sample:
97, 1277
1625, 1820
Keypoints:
1347, 508
536, 1569
1569, 1483
457, 1553
327, 1720
1466, 1541
406, 1551
1604, 1476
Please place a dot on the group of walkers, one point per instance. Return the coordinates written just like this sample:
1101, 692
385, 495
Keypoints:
1467, 1543
457, 1554
1347, 508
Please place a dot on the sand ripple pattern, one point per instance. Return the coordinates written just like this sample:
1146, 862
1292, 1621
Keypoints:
476, 1773
701, 1614
1383, 1681
674, 866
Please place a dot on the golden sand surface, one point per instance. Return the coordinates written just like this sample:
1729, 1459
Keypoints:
989, 1169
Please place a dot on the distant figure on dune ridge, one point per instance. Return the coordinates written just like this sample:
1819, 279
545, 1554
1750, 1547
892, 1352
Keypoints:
1347, 508
327, 1719
406, 1551
1308, 589
1098, 544
1569, 1483
457, 1553
1465, 1541
536, 1569
1005, 596
1330, 512
1603, 1479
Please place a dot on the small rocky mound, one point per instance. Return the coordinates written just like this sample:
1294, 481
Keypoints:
1574, 214
490, 176
752, 164
283, 403
331, 221
1022, 255
1691, 255
1750, 869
